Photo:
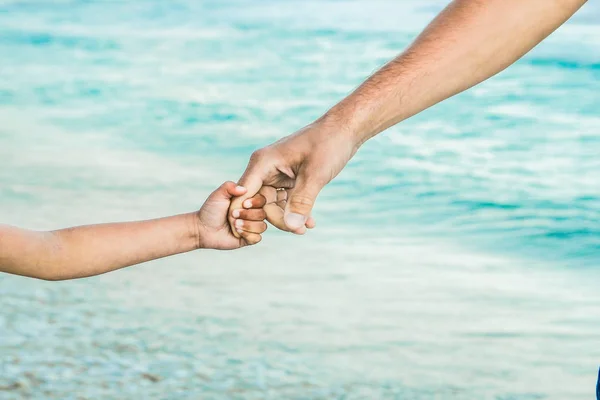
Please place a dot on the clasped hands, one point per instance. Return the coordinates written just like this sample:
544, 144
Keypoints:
286, 177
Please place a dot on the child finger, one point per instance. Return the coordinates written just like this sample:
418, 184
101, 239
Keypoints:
257, 214
250, 226
250, 238
257, 201
233, 189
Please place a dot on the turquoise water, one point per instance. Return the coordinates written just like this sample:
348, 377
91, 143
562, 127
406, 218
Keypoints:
456, 256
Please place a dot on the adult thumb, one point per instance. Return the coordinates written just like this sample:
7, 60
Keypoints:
300, 203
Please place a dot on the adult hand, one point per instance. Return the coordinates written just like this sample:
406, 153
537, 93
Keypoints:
303, 163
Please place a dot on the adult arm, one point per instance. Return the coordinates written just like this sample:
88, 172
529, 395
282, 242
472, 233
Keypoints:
468, 42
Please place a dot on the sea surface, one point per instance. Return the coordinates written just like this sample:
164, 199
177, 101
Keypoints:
456, 257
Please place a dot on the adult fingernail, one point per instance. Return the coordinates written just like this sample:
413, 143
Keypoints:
294, 221
236, 213
240, 188
248, 203
239, 223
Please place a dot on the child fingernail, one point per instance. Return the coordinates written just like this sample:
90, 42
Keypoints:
236, 213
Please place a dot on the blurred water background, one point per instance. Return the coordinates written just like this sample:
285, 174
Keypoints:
456, 256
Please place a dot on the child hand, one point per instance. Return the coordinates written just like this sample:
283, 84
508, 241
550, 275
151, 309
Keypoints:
275, 201
213, 225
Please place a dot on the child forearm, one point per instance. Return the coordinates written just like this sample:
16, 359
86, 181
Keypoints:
96, 249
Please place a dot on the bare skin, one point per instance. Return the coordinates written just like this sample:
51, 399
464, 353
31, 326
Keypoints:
96, 249
467, 43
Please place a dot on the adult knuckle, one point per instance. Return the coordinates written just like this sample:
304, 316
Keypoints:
301, 201
259, 155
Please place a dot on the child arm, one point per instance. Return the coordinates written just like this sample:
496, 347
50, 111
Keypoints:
96, 249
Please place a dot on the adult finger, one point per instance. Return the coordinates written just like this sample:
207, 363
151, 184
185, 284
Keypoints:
276, 201
275, 217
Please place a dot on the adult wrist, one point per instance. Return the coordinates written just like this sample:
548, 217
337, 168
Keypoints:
338, 121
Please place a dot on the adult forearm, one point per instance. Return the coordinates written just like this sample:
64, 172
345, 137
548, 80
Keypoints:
96, 249
470, 41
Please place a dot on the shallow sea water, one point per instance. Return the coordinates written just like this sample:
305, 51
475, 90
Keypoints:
456, 256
